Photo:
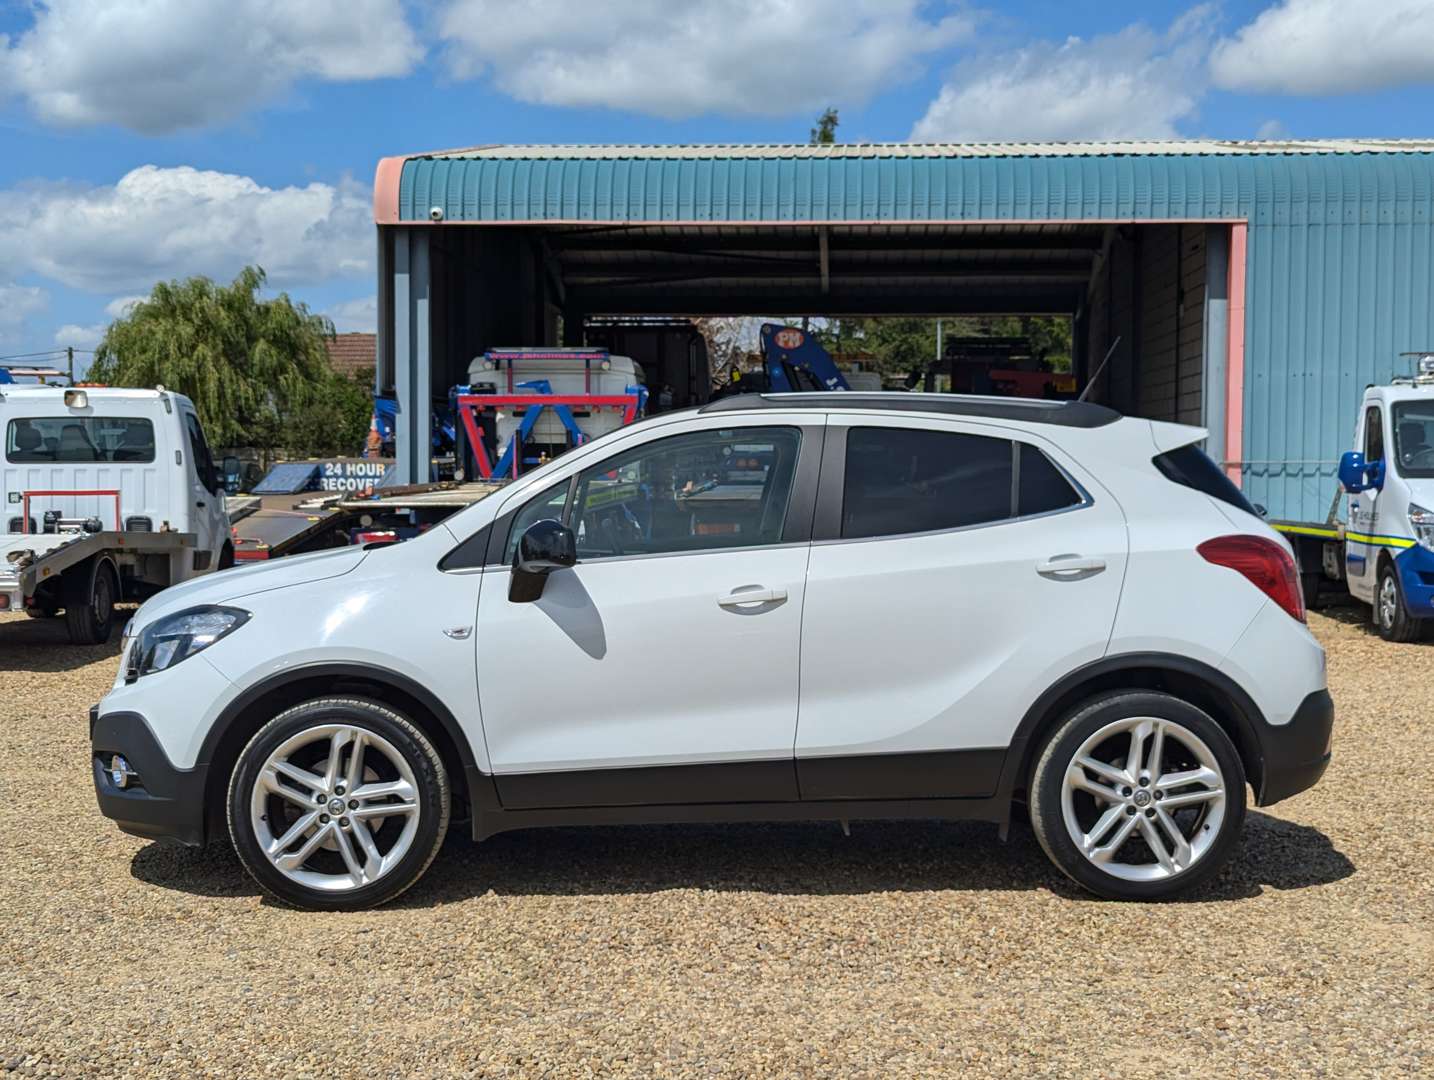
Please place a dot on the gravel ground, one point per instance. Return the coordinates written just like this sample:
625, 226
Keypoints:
743, 950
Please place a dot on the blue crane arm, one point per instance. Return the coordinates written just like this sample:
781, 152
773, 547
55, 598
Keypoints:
795, 360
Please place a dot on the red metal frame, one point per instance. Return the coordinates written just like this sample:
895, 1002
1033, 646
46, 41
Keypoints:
470, 404
26, 496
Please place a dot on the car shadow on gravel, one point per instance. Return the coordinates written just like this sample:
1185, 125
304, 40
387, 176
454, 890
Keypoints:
44, 645
807, 859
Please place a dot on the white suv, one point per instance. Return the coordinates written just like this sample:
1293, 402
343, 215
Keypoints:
792, 606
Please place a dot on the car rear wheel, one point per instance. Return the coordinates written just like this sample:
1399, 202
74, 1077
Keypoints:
1138, 795
338, 804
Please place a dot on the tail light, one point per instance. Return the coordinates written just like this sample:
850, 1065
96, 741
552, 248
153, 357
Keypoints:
1265, 563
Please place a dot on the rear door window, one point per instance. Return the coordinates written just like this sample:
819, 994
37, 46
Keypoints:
69, 440
915, 480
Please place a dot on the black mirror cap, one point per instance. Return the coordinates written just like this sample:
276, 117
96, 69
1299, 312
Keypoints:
546, 546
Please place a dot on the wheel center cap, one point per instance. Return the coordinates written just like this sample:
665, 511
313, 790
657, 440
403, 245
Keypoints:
336, 806
1142, 798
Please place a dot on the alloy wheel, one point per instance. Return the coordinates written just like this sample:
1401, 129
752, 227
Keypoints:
1143, 798
335, 807
1388, 601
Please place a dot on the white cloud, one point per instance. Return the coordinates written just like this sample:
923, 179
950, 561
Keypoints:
355, 316
671, 59
120, 305
1329, 47
80, 337
158, 223
17, 304
161, 65
1130, 85
1272, 129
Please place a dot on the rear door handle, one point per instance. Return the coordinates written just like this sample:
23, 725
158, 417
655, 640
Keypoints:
1070, 566
752, 594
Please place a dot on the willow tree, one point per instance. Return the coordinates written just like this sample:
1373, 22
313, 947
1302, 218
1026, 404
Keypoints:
257, 369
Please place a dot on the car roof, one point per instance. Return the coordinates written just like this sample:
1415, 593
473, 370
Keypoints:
1080, 414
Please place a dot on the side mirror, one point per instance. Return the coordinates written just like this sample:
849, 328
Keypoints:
545, 546
1352, 472
1374, 475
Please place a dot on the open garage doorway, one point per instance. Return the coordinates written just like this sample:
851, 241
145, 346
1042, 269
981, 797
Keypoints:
1147, 303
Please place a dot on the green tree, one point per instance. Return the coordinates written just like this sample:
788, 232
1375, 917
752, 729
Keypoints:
257, 369
825, 131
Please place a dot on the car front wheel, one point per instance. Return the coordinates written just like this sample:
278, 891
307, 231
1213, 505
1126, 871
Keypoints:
338, 804
1138, 795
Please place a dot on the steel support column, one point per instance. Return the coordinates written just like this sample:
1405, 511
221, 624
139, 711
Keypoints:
1216, 336
413, 365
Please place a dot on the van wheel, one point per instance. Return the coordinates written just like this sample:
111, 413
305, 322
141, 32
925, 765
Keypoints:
1391, 618
90, 591
338, 805
1138, 795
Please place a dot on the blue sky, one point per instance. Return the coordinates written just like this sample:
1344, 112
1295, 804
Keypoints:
147, 139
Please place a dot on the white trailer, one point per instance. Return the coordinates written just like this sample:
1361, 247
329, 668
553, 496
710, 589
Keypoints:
106, 495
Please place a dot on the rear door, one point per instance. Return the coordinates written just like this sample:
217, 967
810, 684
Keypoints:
958, 569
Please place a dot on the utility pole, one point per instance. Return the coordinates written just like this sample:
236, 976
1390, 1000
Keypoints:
70, 354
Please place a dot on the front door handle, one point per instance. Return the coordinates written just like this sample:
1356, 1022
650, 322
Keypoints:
752, 594
1067, 567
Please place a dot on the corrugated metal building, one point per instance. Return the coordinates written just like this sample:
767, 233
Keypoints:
1255, 288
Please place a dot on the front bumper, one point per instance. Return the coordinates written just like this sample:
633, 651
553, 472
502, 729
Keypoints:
166, 803
1416, 575
1296, 754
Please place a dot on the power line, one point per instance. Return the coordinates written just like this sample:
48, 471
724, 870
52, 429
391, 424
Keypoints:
32, 355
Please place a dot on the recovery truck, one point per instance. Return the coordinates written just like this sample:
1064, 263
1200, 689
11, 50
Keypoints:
1380, 544
107, 495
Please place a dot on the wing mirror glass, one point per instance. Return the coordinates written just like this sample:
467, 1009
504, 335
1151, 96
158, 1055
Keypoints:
544, 547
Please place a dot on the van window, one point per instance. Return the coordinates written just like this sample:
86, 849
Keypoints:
70, 440
1373, 435
1414, 438
203, 460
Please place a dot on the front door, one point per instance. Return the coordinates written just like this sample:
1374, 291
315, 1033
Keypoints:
663, 667
1361, 556
206, 497
958, 569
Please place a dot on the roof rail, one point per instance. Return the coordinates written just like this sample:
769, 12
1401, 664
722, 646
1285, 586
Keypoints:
1078, 414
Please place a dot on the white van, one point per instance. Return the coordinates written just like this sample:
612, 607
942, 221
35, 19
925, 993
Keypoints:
106, 494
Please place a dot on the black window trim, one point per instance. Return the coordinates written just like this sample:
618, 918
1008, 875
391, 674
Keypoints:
831, 487
797, 529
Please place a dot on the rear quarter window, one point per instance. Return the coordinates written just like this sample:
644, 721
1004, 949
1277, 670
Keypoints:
1191, 467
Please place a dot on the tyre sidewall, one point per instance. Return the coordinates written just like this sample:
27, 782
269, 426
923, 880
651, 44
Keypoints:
1404, 627
433, 801
1048, 780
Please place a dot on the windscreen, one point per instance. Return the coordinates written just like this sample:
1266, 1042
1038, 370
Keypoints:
75, 439
1414, 438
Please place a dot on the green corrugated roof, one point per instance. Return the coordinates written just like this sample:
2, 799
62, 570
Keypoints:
907, 182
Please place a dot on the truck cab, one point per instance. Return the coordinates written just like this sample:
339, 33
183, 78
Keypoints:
1389, 485
113, 486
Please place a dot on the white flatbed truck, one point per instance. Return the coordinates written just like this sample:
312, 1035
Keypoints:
1380, 544
106, 495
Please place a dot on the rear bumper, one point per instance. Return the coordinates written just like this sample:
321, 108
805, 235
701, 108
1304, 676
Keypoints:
166, 803
1296, 754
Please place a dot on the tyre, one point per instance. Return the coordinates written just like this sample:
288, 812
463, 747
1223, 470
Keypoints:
1391, 617
90, 591
338, 805
1138, 795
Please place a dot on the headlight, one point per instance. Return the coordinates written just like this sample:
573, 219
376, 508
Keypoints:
1423, 522
167, 641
